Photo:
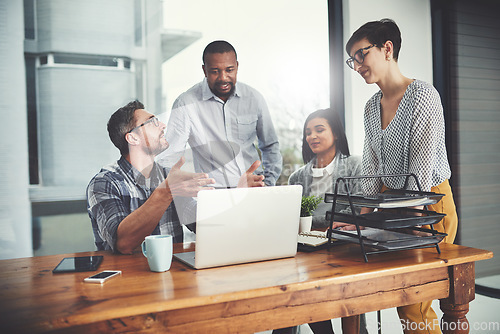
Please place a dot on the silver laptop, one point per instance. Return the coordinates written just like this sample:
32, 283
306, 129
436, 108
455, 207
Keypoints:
245, 225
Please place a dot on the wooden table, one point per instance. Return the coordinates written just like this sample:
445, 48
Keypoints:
235, 299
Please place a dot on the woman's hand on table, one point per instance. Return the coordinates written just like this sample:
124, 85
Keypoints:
345, 227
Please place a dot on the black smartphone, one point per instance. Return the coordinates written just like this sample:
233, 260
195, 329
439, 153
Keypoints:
79, 263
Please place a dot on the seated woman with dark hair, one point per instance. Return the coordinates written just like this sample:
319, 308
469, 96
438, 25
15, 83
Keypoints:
326, 155
325, 152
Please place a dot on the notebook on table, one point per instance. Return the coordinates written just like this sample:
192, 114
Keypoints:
245, 225
313, 238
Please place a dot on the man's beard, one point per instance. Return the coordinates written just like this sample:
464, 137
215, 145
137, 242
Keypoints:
155, 149
219, 93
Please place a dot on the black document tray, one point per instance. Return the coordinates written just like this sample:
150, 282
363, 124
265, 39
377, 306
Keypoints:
390, 218
391, 240
389, 199
394, 210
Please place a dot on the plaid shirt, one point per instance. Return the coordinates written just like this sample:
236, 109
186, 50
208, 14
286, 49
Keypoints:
119, 189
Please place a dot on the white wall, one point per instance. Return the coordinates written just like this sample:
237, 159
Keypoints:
415, 58
15, 209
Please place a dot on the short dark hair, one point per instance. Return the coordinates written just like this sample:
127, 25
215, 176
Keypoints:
337, 127
121, 122
218, 47
377, 32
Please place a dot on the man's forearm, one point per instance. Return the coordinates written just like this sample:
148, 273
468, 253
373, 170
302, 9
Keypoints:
273, 164
142, 222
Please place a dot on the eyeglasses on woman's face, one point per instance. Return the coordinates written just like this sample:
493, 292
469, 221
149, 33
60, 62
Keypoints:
152, 119
358, 56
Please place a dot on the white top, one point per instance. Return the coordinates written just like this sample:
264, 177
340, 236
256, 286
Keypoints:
322, 181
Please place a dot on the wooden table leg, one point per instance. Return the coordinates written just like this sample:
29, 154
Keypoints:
350, 325
456, 306
454, 320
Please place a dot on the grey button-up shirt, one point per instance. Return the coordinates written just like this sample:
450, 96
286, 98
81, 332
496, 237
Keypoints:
223, 136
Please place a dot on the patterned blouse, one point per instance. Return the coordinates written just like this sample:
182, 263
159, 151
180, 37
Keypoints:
413, 142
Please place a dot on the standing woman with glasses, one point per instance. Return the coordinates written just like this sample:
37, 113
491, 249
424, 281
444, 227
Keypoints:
404, 133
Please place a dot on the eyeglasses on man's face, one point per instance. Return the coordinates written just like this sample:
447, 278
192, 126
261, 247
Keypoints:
358, 56
152, 119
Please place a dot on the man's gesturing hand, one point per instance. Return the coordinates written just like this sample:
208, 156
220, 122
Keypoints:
186, 184
248, 179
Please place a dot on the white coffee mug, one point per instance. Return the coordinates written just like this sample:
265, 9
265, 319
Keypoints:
158, 250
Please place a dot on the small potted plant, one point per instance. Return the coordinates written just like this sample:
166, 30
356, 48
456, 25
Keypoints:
307, 207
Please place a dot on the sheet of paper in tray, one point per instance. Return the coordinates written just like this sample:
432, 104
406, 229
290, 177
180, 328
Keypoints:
388, 201
389, 239
312, 238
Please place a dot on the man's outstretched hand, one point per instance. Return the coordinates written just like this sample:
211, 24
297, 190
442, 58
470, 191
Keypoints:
249, 179
186, 184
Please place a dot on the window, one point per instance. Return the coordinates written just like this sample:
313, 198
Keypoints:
30, 63
29, 19
86, 60
282, 49
138, 23
93, 58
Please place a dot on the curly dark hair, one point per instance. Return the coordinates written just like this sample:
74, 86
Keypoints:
218, 47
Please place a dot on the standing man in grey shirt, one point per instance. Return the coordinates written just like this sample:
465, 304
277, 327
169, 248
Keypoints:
221, 120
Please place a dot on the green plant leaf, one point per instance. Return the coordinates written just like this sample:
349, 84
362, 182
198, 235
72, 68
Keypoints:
309, 204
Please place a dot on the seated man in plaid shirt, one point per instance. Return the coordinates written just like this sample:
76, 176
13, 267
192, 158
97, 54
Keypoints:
134, 197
